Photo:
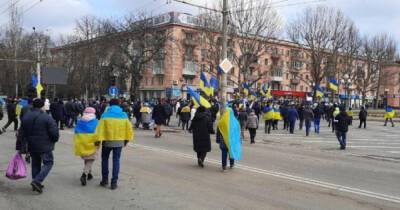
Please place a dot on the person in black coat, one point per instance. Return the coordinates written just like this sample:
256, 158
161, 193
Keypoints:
363, 117
12, 115
159, 117
201, 128
57, 112
342, 121
41, 133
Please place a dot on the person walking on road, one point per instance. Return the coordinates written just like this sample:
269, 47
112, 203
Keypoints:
252, 125
363, 117
308, 117
12, 115
57, 112
300, 111
114, 131
268, 117
41, 133
342, 121
389, 115
224, 152
292, 117
318, 111
201, 128
184, 116
159, 116
242, 120
86, 145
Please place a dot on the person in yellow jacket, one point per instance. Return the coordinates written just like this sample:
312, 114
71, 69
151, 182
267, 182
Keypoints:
351, 114
114, 131
86, 145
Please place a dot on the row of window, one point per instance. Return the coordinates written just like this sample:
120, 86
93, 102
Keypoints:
154, 81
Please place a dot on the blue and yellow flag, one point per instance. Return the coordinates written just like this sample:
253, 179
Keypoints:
114, 125
333, 85
197, 99
246, 89
205, 85
22, 104
85, 137
277, 114
268, 113
214, 84
269, 94
319, 91
390, 113
229, 127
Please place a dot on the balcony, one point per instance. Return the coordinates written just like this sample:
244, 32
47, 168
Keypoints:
276, 54
295, 81
190, 68
276, 78
158, 71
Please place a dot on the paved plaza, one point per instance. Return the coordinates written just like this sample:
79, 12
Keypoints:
281, 171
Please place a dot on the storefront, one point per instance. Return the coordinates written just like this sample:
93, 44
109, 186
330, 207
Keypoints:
289, 94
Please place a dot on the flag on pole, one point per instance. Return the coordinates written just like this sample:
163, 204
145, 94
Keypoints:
333, 85
204, 84
197, 99
214, 84
269, 94
246, 89
34, 81
319, 91
264, 89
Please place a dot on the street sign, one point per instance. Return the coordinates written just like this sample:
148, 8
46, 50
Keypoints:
225, 66
113, 91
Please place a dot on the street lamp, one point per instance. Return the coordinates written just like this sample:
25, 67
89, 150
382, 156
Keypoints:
347, 83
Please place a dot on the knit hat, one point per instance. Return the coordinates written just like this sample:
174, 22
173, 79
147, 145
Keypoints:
89, 110
38, 103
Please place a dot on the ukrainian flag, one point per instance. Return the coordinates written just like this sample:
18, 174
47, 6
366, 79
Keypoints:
246, 89
205, 85
268, 113
197, 99
114, 125
263, 90
85, 137
277, 114
22, 104
390, 113
229, 127
145, 109
333, 85
319, 91
214, 84
269, 94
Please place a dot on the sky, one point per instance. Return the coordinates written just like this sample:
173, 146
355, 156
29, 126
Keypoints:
58, 16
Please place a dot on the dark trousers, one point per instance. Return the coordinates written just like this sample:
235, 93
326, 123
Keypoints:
268, 125
137, 123
292, 124
363, 122
333, 125
252, 132
308, 127
167, 120
301, 124
60, 123
201, 156
317, 123
341, 136
11, 120
391, 121
285, 124
39, 171
105, 154
225, 155
185, 124
275, 125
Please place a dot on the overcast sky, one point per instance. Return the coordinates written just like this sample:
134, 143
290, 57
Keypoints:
58, 16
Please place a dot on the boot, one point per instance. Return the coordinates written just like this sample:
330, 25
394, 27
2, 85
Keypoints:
89, 176
83, 179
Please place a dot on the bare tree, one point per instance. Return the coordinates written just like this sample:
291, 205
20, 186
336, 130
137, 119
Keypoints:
377, 51
253, 24
138, 43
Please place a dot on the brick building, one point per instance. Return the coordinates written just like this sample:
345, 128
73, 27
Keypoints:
285, 65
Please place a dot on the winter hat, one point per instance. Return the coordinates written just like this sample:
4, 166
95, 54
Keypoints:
114, 101
89, 110
38, 103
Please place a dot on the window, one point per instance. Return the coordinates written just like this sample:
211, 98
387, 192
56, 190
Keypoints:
307, 77
301, 76
293, 87
233, 71
287, 76
266, 62
147, 81
306, 89
297, 64
152, 81
301, 87
189, 53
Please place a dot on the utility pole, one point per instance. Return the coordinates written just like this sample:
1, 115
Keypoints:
38, 72
223, 82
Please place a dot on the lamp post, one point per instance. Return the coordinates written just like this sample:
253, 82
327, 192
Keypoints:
347, 83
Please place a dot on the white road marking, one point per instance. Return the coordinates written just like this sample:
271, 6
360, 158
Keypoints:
349, 142
380, 147
280, 175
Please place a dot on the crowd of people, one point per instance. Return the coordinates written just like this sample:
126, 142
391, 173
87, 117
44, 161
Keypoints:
107, 125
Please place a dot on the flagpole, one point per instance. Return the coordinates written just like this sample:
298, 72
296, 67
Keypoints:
223, 94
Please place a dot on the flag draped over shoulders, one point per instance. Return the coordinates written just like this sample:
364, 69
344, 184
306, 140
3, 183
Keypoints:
230, 129
390, 113
114, 125
85, 137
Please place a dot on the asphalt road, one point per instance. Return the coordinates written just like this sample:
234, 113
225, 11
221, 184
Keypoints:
281, 171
